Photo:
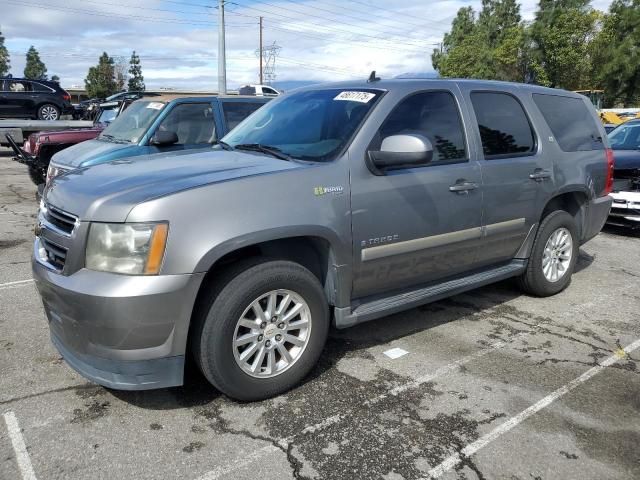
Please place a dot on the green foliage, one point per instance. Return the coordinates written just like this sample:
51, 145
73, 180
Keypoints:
561, 35
491, 45
136, 80
34, 67
100, 81
55, 78
5, 64
616, 54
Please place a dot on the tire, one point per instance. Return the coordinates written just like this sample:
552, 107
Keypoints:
534, 281
36, 175
48, 112
217, 326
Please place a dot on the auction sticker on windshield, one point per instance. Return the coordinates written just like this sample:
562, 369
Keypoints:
155, 105
362, 97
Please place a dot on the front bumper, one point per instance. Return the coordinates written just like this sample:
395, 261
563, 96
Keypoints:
596, 215
123, 332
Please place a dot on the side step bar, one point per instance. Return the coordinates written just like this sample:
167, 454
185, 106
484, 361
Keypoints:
347, 317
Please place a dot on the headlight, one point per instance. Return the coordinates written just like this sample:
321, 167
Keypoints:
53, 172
128, 248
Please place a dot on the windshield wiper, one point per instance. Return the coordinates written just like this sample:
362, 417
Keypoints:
269, 150
224, 145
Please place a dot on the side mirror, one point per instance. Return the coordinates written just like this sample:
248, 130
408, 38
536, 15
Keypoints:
163, 138
401, 151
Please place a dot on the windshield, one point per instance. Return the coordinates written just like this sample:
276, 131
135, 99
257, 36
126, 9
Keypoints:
107, 115
311, 125
133, 123
625, 137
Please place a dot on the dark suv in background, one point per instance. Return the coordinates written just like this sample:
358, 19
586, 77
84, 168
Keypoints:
36, 99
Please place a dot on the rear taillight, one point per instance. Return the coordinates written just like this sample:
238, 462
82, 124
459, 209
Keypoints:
66, 96
608, 185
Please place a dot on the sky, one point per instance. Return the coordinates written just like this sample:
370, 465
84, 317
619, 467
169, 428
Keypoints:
177, 40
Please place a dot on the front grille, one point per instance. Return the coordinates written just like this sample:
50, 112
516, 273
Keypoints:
62, 220
55, 254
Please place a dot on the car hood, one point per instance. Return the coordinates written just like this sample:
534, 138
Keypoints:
626, 159
84, 152
107, 192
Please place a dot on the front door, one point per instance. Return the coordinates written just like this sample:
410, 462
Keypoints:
417, 225
517, 177
193, 123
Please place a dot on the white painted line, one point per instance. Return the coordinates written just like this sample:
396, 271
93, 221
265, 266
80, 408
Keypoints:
22, 456
337, 418
395, 353
240, 463
19, 283
503, 428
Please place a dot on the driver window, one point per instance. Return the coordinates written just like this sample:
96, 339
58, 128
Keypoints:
434, 115
192, 122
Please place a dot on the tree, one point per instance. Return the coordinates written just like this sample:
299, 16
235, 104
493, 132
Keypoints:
100, 81
561, 35
55, 78
5, 64
491, 45
34, 68
136, 80
616, 54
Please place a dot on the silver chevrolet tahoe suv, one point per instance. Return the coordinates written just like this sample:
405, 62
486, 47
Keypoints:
334, 204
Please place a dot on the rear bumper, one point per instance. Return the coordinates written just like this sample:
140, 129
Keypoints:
596, 216
123, 332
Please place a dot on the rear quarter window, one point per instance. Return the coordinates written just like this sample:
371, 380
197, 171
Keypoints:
235, 112
570, 121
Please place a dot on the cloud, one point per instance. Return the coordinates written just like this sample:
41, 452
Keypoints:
321, 40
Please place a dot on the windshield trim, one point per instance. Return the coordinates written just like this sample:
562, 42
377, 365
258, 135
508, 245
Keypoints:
381, 92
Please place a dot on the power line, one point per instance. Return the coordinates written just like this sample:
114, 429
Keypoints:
321, 26
342, 14
114, 15
323, 35
370, 6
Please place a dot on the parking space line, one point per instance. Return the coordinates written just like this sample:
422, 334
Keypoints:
19, 283
22, 456
339, 417
503, 428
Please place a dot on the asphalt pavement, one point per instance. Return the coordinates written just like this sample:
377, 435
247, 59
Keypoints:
491, 384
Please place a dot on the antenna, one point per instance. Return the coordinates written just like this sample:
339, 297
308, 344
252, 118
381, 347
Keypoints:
373, 78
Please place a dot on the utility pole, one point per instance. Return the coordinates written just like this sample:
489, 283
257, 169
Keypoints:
222, 61
260, 51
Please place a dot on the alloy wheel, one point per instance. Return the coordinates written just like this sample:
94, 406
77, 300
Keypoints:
557, 254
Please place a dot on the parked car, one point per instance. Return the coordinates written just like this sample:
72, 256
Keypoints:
89, 109
39, 147
336, 203
36, 99
259, 90
625, 142
159, 124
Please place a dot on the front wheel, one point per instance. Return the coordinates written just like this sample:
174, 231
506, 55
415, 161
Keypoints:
553, 257
262, 329
48, 112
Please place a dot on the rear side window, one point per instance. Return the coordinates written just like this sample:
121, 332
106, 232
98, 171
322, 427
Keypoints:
235, 112
570, 121
17, 86
505, 130
38, 87
431, 114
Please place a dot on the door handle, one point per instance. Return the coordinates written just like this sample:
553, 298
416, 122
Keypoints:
463, 187
539, 175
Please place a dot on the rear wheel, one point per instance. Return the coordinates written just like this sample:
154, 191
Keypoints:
553, 257
48, 112
262, 329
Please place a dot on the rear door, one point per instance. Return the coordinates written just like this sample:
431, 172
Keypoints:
417, 225
18, 99
517, 177
235, 111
